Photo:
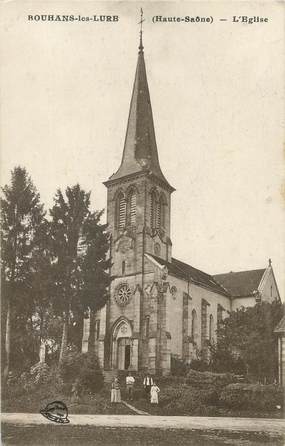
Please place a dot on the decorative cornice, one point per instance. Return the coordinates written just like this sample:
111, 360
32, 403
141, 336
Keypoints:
136, 175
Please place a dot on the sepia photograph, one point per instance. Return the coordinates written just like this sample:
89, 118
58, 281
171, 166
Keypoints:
142, 223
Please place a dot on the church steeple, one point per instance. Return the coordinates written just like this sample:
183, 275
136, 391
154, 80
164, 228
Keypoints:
140, 150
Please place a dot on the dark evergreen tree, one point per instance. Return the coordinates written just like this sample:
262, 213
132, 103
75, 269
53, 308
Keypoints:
79, 246
42, 289
22, 216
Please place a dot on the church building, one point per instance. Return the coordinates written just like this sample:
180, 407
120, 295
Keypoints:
158, 307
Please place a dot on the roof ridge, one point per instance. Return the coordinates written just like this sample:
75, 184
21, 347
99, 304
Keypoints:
238, 272
198, 277
187, 264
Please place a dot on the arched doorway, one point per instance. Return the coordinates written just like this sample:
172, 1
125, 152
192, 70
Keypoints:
122, 345
124, 353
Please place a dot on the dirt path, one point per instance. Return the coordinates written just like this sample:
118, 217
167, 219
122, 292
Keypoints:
163, 422
134, 409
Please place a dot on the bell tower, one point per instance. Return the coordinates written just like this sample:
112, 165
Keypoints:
138, 193
138, 217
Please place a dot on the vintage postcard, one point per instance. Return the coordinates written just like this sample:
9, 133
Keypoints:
142, 222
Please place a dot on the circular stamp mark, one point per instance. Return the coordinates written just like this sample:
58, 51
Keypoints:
56, 411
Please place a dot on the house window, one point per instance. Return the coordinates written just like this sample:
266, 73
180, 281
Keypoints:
211, 328
203, 322
97, 329
194, 328
123, 267
121, 211
219, 316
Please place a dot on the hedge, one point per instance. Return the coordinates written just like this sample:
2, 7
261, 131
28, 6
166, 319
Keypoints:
252, 396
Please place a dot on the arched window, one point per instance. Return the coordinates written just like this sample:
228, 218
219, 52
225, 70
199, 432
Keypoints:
147, 326
131, 207
120, 211
153, 210
194, 326
211, 328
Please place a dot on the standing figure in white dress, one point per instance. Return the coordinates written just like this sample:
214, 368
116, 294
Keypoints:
115, 391
154, 391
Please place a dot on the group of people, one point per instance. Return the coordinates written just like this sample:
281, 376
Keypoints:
150, 388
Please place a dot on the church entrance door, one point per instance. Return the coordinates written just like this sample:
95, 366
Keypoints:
124, 353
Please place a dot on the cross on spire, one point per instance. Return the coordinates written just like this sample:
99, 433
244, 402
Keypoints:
141, 31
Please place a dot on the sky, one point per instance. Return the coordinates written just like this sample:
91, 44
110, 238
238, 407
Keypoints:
217, 93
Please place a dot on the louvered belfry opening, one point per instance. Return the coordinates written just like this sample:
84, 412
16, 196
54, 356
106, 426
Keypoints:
162, 205
157, 211
153, 211
121, 212
131, 208
158, 214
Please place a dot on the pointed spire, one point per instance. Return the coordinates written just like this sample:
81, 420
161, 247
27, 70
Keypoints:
140, 150
141, 31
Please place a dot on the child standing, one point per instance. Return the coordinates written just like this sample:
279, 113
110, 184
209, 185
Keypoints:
154, 391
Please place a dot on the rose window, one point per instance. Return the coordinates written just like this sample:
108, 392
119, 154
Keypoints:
123, 294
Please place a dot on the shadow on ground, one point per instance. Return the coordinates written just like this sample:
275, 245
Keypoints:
68, 435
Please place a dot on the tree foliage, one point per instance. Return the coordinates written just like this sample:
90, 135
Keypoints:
52, 269
22, 217
79, 247
247, 343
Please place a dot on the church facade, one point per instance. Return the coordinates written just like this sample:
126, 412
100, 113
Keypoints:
158, 306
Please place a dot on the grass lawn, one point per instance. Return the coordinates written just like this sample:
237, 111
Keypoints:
98, 403
180, 398
176, 398
68, 435
214, 411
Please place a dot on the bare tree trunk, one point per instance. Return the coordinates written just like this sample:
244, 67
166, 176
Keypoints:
64, 337
42, 348
91, 340
7, 342
42, 352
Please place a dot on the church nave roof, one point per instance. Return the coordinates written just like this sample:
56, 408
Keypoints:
189, 273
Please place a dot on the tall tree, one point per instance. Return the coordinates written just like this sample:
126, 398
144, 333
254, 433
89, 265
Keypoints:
95, 268
80, 245
94, 263
42, 290
22, 215
246, 339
